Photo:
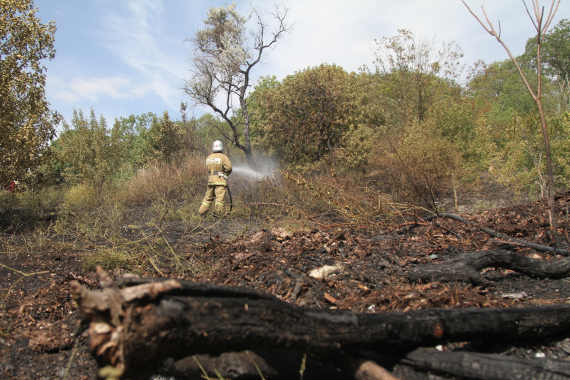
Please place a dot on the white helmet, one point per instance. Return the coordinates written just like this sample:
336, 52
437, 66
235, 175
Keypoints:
217, 146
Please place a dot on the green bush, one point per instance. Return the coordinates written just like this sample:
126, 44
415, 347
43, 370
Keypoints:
79, 198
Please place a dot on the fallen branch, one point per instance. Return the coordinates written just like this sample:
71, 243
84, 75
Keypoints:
134, 328
506, 238
467, 267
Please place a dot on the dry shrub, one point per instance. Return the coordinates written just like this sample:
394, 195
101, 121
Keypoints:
166, 181
346, 196
420, 166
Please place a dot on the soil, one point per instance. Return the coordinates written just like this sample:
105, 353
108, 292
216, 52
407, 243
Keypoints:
366, 273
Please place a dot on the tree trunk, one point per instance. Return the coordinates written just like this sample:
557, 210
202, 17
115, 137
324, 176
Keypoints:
135, 328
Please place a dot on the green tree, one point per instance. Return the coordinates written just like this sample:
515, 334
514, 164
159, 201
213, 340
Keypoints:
555, 59
541, 25
306, 116
414, 72
166, 138
26, 122
225, 57
257, 111
498, 85
86, 151
208, 128
131, 133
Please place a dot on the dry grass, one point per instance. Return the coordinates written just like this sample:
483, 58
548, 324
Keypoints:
165, 181
146, 223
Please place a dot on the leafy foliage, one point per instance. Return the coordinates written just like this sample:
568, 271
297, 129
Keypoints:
26, 122
415, 72
423, 164
311, 110
166, 138
506, 139
555, 58
87, 151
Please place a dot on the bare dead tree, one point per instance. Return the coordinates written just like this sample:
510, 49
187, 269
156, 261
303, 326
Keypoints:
541, 25
224, 61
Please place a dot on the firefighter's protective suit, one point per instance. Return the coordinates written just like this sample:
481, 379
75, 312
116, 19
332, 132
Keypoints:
219, 168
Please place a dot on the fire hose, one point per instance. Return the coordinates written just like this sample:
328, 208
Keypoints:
230, 195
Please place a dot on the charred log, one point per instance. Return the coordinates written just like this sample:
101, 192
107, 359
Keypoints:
472, 365
467, 267
133, 328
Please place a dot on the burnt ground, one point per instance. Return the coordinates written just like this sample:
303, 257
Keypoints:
367, 273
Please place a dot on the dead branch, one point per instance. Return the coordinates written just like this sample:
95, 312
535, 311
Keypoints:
506, 238
467, 267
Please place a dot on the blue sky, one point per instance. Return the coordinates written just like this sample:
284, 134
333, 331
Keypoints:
122, 57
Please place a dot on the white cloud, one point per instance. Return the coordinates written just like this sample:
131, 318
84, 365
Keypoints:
94, 88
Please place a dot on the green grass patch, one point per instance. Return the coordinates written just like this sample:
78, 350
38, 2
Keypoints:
109, 259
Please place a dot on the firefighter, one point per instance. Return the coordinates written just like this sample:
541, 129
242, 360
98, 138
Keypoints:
219, 168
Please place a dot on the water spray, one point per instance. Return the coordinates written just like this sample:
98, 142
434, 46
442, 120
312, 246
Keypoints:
263, 171
246, 171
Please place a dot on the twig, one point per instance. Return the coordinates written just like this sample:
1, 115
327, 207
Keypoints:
23, 273
252, 361
78, 333
176, 258
150, 260
204, 373
267, 204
